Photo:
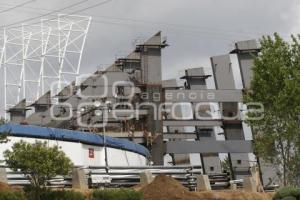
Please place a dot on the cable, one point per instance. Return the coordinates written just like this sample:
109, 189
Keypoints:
187, 33
93, 6
44, 15
55, 11
157, 23
17, 6
173, 26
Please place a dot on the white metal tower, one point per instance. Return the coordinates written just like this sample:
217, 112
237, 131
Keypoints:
37, 58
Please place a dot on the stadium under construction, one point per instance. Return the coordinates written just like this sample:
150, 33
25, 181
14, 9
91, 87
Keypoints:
126, 115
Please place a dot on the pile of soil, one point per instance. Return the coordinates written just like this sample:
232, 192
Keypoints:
234, 195
167, 188
5, 187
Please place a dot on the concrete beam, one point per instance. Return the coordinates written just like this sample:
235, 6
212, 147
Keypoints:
196, 96
203, 123
228, 146
179, 136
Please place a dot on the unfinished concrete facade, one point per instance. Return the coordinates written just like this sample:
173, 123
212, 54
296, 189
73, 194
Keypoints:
137, 80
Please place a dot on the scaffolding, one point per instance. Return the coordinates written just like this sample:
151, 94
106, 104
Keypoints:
36, 58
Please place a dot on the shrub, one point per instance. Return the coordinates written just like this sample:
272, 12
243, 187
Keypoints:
47, 194
8, 195
289, 198
287, 193
120, 194
39, 162
62, 195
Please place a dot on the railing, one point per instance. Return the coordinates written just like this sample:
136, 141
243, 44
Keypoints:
19, 179
127, 176
130, 176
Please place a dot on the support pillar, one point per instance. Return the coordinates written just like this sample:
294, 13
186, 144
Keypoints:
79, 179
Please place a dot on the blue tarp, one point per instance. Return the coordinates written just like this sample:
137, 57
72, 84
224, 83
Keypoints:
69, 135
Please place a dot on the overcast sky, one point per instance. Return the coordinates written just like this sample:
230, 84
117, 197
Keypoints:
195, 29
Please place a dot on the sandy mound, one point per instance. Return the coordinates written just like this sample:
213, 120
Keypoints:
4, 187
167, 188
233, 195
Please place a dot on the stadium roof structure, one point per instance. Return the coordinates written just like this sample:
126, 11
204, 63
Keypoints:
71, 136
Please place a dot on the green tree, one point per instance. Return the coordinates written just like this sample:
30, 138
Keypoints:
276, 84
38, 162
225, 165
3, 136
2, 121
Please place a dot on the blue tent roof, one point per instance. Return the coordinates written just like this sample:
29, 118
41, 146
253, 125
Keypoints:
69, 135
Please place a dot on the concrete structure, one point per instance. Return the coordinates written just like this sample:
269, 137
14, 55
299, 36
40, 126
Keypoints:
135, 91
249, 184
146, 177
18, 112
3, 175
203, 183
79, 179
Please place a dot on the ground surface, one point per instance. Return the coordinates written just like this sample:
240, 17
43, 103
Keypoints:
166, 188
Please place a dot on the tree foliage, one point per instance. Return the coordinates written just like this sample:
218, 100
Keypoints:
276, 84
3, 136
38, 162
225, 165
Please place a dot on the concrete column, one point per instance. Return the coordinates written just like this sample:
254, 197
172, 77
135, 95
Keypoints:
203, 183
233, 186
3, 175
249, 184
79, 179
146, 177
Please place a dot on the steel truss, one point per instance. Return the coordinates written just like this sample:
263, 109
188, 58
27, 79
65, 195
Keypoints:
38, 58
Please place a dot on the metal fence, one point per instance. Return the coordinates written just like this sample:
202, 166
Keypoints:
116, 177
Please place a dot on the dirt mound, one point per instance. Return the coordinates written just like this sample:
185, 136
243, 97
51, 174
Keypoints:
4, 187
233, 195
167, 188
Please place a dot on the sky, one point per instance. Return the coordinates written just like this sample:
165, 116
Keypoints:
195, 29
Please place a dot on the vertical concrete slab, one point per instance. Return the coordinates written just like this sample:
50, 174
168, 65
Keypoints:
224, 79
222, 70
196, 79
79, 179
157, 150
246, 51
202, 183
146, 177
3, 175
177, 159
249, 184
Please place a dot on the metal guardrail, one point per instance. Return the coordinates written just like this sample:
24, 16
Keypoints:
128, 176
19, 179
